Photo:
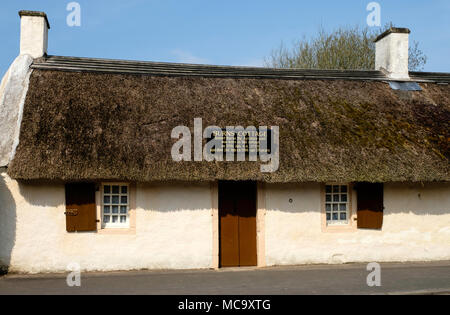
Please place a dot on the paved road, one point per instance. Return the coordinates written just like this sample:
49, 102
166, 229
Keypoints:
416, 278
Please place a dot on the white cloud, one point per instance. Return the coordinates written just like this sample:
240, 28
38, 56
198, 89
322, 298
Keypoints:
250, 63
183, 56
186, 57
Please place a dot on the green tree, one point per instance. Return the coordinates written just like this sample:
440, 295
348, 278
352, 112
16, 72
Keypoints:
345, 48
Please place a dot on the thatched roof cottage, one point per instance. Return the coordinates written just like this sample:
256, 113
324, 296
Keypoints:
88, 175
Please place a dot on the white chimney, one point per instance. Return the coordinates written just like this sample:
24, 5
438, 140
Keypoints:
34, 28
391, 53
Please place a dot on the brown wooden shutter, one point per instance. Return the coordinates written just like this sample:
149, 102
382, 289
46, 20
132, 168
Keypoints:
81, 213
370, 205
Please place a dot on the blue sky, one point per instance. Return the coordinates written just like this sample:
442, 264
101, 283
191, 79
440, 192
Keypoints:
231, 32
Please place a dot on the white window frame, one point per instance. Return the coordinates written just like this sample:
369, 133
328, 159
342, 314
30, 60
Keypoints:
338, 222
118, 225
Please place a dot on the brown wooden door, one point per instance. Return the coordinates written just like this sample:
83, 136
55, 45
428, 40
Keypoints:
237, 209
81, 214
370, 205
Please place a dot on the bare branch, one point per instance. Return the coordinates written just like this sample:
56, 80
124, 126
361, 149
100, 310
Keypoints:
346, 48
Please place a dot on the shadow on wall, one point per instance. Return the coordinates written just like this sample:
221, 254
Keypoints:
418, 199
428, 199
42, 193
7, 224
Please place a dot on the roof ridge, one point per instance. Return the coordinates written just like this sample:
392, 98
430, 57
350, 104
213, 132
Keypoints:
182, 69
101, 65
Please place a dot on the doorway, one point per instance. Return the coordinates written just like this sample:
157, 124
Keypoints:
237, 224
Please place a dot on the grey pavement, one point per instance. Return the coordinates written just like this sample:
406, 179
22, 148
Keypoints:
396, 278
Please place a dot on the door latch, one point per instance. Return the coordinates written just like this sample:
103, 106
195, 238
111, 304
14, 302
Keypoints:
71, 212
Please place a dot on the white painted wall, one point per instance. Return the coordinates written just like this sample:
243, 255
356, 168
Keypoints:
173, 231
416, 227
13, 90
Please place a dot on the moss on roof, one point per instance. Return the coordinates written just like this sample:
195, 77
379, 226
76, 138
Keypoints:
91, 126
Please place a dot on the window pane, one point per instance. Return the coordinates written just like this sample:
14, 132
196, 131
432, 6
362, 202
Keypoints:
344, 197
343, 216
335, 189
328, 189
335, 207
106, 199
335, 216
115, 189
343, 189
115, 209
106, 209
115, 218
115, 200
343, 207
107, 189
336, 198
123, 209
123, 219
106, 218
328, 198
123, 199
328, 216
328, 207
124, 189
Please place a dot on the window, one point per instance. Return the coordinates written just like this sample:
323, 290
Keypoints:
115, 207
337, 204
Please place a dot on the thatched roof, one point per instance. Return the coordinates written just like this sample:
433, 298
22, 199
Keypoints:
84, 120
